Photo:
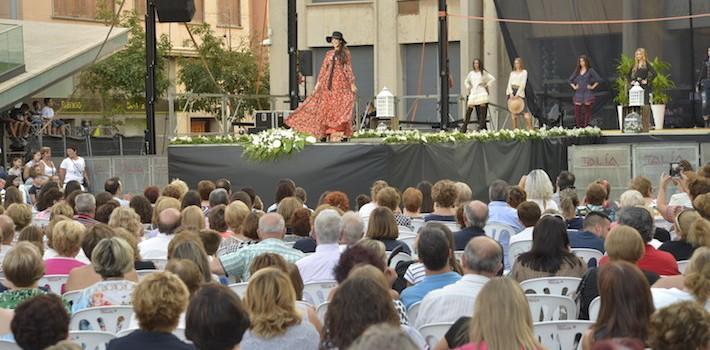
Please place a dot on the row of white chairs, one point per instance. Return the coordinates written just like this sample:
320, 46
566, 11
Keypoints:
314, 293
91, 340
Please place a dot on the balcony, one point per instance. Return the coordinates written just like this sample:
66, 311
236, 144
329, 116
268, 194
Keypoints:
12, 60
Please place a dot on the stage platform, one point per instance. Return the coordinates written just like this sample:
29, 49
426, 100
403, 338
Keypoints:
352, 167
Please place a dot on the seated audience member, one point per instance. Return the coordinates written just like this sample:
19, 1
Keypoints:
284, 188
464, 193
692, 230
366, 209
219, 196
516, 195
361, 200
692, 285
191, 198
696, 187
132, 240
626, 306
158, 302
300, 193
85, 207
286, 208
475, 214
595, 228
444, 194
550, 255
23, 267
215, 220
498, 209
204, 188
112, 259
21, 215
631, 198
595, 199
48, 196
275, 321
65, 345
143, 208
300, 225
268, 260
384, 337
389, 197
33, 234
126, 218
427, 202
645, 187
272, 229
500, 304
160, 205
346, 319
157, 247
188, 272
63, 209
210, 240
187, 245
152, 193
538, 188
481, 261
529, 214
103, 213
568, 206
192, 217
115, 188
416, 271
702, 205
216, 319
382, 227
681, 326
353, 229
434, 253
319, 266
242, 224
8, 234
623, 243
565, 181
103, 198
653, 260
40, 322
337, 199
412, 203
66, 240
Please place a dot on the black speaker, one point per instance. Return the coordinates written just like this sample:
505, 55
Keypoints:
306, 63
175, 10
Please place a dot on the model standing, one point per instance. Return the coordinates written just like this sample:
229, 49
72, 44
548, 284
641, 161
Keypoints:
516, 89
477, 83
642, 73
583, 81
328, 112
704, 88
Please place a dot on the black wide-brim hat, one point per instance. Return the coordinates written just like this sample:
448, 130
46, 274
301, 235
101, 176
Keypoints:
336, 35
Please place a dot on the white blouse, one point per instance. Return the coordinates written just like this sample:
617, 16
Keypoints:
519, 79
478, 94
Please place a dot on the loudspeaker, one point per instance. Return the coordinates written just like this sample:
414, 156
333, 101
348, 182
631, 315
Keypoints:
306, 63
175, 10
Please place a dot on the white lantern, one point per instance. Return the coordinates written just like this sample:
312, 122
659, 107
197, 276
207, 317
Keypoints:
636, 96
385, 104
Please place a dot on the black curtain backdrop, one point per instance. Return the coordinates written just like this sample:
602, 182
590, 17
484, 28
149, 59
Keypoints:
352, 168
550, 51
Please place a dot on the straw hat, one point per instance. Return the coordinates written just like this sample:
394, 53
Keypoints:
516, 105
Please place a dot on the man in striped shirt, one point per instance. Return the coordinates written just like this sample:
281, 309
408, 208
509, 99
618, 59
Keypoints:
85, 206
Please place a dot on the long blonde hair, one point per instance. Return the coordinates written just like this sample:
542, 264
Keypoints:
271, 302
501, 304
642, 62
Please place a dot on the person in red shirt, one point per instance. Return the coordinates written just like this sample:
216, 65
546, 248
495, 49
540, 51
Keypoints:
653, 259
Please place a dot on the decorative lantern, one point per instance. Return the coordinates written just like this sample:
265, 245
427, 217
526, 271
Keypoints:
633, 123
636, 96
385, 104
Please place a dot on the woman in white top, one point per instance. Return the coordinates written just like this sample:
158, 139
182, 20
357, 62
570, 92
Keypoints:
477, 83
48, 167
516, 88
73, 167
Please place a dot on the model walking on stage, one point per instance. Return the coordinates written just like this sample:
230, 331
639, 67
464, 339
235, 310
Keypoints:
328, 112
704, 88
642, 73
477, 83
583, 81
516, 90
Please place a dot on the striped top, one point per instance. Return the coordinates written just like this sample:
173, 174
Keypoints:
237, 263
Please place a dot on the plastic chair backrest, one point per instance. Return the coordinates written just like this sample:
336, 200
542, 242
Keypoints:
551, 307
682, 265
501, 233
110, 319
458, 254
561, 335
321, 310
404, 230
517, 248
401, 256
239, 288
316, 293
178, 332
53, 283
413, 312
434, 332
551, 285
588, 255
417, 224
9, 345
72, 297
409, 241
594, 308
91, 340
158, 262
143, 273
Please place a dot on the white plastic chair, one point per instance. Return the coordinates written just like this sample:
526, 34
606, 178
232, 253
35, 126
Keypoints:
433, 332
239, 288
417, 224
587, 254
561, 335
72, 297
409, 241
682, 265
551, 285
413, 312
502, 233
159, 262
517, 248
178, 332
143, 273
110, 319
9, 345
404, 230
316, 293
53, 282
551, 307
91, 340
399, 257
594, 308
321, 310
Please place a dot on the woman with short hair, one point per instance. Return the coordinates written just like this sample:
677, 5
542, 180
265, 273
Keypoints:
66, 240
692, 231
412, 199
40, 322
23, 268
143, 208
444, 194
382, 227
128, 219
691, 285
187, 245
680, 326
21, 215
192, 217
216, 319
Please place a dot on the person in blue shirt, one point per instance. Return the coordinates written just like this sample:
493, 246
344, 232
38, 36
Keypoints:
434, 252
498, 209
595, 228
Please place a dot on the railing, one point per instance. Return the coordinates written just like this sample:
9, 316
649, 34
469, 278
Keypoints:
11, 48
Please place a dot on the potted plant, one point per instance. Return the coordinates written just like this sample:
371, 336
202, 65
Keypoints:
621, 85
660, 85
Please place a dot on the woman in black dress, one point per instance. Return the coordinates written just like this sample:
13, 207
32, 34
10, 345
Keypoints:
704, 88
642, 73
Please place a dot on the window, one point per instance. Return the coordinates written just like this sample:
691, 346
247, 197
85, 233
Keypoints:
230, 13
139, 6
81, 9
408, 7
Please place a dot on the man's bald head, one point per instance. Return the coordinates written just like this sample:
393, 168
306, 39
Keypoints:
8, 229
475, 214
168, 221
482, 256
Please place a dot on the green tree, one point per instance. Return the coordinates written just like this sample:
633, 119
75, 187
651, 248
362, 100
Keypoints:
235, 71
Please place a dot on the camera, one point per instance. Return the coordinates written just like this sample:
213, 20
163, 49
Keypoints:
675, 170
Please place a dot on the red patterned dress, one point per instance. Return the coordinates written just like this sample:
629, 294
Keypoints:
330, 108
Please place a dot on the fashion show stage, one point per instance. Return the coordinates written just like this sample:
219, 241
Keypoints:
352, 167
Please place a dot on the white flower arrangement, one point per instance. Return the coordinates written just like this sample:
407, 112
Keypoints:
274, 143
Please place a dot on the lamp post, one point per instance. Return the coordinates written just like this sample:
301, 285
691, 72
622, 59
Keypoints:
443, 66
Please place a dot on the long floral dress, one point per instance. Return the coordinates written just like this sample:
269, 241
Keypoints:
330, 108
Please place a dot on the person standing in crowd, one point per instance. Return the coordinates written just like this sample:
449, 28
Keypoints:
516, 89
583, 81
73, 168
642, 73
36, 157
704, 87
477, 83
328, 112
48, 168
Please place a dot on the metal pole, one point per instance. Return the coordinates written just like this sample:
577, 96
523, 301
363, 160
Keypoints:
150, 54
692, 61
292, 25
443, 65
